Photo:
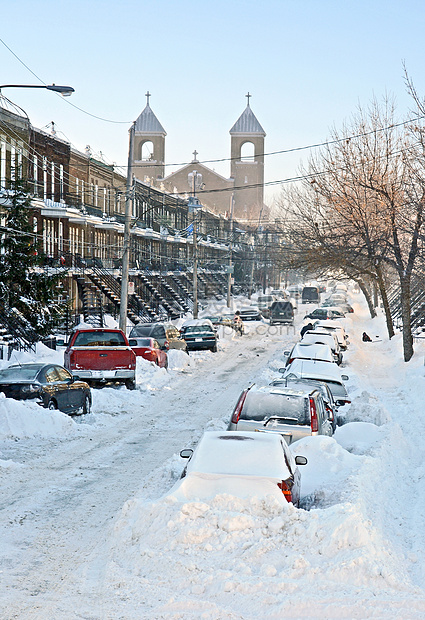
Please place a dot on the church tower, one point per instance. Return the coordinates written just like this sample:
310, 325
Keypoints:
148, 154
247, 165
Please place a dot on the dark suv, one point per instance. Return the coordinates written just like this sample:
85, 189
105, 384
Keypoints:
199, 334
166, 334
281, 312
293, 413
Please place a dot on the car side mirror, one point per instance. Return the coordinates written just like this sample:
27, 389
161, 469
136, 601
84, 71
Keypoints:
186, 453
74, 378
286, 353
345, 377
301, 460
282, 370
132, 342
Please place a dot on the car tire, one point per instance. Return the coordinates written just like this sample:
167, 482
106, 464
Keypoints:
130, 384
52, 405
214, 349
86, 405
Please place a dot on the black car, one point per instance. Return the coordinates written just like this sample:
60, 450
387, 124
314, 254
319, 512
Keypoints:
250, 314
281, 312
50, 385
199, 334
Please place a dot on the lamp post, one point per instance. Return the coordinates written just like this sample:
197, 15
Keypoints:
65, 91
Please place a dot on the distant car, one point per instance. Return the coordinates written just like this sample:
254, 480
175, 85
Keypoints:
50, 385
281, 312
343, 304
250, 314
166, 334
294, 414
333, 327
322, 371
199, 334
264, 303
227, 319
244, 464
310, 295
322, 314
325, 337
149, 349
294, 291
309, 351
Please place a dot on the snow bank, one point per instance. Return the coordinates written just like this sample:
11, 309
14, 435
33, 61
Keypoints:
19, 419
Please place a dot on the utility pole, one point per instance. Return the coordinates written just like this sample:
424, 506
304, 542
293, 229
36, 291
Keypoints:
230, 267
126, 246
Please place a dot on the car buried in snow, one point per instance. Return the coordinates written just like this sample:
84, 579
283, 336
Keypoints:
243, 464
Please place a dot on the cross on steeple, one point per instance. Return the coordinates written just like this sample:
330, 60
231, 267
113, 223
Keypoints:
248, 96
195, 153
147, 96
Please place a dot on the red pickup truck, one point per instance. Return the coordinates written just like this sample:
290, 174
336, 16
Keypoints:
101, 355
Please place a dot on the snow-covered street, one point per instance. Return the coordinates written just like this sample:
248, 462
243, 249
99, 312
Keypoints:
90, 528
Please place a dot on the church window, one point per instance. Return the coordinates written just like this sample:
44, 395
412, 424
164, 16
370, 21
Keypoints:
147, 151
247, 152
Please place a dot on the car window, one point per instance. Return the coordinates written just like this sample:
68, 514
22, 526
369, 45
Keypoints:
21, 373
99, 339
51, 375
197, 329
260, 406
63, 374
156, 344
151, 331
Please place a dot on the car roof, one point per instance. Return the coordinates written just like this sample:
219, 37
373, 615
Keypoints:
294, 383
333, 324
311, 349
312, 336
314, 369
239, 453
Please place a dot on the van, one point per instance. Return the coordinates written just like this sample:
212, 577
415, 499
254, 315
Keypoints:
310, 295
281, 312
264, 303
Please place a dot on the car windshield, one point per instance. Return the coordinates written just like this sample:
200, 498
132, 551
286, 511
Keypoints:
99, 339
19, 373
197, 329
337, 389
260, 406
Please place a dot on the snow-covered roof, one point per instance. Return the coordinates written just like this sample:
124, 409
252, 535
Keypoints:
312, 351
314, 369
247, 124
238, 453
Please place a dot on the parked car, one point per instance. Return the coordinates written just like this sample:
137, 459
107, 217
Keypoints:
329, 338
294, 290
323, 314
166, 334
334, 327
244, 464
251, 313
199, 334
281, 312
149, 349
311, 384
227, 319
264, 303
101, 355
343, 305
50, 385
310, 295
309, 351
294, 414
322, 371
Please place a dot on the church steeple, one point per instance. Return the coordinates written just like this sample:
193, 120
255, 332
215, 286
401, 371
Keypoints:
149, 145
248, 170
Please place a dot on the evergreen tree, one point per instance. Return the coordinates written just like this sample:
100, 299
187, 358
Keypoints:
27, 293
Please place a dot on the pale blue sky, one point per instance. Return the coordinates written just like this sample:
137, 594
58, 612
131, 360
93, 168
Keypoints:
308, 64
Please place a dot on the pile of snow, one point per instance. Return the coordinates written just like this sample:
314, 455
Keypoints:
19, 419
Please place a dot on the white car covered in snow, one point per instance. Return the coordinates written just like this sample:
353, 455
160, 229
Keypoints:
244, 464
322, 371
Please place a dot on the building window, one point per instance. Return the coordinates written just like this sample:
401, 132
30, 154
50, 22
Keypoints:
12, 163
44, 178
52, 180
247, 152
60, 182
60, 237
35, 174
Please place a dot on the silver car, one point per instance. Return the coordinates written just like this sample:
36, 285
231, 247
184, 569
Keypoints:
293, 413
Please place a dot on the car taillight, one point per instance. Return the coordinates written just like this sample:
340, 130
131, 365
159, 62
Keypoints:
72, 358
313, 416
283, 486
238, 409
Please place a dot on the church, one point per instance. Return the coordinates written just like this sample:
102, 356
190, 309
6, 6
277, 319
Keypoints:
242, 194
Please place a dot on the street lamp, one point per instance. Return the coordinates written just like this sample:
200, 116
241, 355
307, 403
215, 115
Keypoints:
65, 91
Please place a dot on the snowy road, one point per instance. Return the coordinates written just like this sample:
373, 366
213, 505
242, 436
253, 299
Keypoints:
56, 510
86, 532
